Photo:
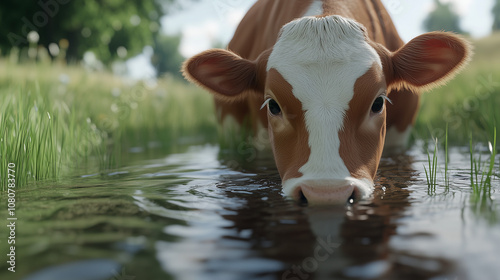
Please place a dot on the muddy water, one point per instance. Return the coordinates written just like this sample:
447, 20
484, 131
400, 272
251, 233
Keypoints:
190, 216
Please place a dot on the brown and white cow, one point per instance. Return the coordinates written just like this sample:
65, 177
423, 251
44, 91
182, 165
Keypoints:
326, 70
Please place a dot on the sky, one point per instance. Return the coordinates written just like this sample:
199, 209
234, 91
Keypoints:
205, 23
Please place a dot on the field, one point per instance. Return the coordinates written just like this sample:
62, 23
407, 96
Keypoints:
58, 120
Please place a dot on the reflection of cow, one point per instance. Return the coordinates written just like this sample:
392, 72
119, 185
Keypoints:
324, 70
328, 242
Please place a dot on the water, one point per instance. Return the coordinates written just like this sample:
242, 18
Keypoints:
190, 216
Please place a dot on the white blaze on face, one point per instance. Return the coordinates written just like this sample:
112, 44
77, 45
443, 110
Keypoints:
322, 58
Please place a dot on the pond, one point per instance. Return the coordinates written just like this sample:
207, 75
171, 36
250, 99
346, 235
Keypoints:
198, 214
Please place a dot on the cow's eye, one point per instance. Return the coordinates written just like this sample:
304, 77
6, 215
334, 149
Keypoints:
274, 108
378, 105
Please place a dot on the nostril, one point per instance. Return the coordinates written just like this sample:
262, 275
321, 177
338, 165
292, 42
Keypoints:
325, 194
353, 198
301, 198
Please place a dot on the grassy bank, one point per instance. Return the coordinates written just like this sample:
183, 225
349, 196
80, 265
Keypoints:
55, 119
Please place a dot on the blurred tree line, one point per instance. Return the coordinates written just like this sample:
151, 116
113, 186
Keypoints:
111, 29
119, 29
496, 16
443, 17
166, 57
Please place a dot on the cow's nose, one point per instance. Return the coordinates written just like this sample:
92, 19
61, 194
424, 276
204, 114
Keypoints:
311, 194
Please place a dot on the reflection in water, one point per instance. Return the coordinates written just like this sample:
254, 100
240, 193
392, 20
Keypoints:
356, 239
191, 216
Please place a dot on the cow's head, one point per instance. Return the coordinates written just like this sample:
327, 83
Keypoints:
325, 86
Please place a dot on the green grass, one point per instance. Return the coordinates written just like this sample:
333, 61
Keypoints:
482, 172
431, 174
446, 160
29, 137
431, 171
58, 120
481, 175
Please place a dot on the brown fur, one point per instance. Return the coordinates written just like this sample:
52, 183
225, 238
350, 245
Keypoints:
288, 132
259, 29
239, 81
361, 145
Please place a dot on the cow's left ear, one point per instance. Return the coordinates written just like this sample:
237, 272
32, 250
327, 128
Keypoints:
430, 59
225, 74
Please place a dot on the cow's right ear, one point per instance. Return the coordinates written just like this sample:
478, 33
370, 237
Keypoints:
430, 59
222, 72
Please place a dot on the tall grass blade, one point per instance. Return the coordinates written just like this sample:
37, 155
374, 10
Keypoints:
446, 159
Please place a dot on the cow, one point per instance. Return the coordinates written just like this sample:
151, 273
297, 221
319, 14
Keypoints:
332, 82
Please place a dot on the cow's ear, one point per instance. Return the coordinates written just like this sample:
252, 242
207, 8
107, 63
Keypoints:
221, 72
430, 59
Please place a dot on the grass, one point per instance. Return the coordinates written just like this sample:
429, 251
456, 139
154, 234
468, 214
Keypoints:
446, 160
431, 173
481, 176
29, 137
58, 120
482, 172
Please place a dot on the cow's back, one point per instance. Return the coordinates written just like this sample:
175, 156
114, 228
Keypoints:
259, 29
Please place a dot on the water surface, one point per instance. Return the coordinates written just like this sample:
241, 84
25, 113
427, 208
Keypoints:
199, 215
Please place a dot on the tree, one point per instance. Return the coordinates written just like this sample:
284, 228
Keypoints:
166, 57
443, 18
496, 15
101, 26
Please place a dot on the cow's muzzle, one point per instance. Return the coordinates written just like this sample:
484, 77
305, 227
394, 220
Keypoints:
329, 192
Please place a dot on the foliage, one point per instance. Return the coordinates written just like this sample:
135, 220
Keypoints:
496, 15
166, 57
101, 26
443, 18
